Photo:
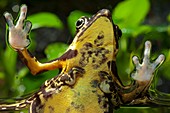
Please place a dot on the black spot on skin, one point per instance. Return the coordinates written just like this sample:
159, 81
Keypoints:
109, 103
37, 105
105, 105
94, 60
88, 45
112, 86
51, 109
95, 66
99, 40
53, 86
104, 59
64, 77
94, 91
79, 107
100, 37
115, 50
102, 74
93, 55
68, 110
94, 83
46, 95
99, 98
68, 55
89, 52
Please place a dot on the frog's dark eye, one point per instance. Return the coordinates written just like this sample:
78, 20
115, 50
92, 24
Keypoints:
80, 22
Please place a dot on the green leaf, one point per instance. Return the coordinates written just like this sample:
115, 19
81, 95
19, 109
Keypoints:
135, 31
45, 19
166, 65
73, 17
168, 17
55, 50
2, 75
9, 60
130, 13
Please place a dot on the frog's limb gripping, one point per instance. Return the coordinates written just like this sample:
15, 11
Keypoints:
143, 75
18, 40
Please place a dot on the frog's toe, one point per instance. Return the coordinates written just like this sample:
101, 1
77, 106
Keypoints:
9, 19
158, 61
136, 62
28, 26
23, 12
147, 51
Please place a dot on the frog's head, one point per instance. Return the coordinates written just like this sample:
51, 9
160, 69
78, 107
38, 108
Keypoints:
98, 28
96, 41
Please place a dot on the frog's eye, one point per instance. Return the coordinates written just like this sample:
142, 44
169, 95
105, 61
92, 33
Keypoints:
80, 22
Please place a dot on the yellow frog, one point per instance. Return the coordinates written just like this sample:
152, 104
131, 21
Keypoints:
88, 82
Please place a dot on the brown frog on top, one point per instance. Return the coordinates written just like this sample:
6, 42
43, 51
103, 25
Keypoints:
88, 82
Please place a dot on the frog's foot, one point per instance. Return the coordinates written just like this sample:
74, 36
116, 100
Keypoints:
145, 71
18, 34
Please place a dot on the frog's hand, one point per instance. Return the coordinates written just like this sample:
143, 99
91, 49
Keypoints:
143, 74
145, 71
18, 37
18, 40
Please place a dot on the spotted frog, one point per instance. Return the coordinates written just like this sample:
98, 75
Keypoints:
88, 82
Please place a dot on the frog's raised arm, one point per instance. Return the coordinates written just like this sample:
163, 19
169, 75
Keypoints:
18, 40
142, 76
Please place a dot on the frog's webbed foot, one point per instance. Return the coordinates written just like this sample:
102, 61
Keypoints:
18, 34
144, 72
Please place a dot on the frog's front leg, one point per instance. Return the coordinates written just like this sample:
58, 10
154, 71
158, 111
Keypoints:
142, 76
19, 41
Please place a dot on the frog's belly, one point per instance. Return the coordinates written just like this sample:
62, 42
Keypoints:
82, 98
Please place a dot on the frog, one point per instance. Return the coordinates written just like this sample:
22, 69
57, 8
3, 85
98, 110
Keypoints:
88, 81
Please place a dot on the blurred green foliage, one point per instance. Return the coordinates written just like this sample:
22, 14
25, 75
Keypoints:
45, 19
129, 15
